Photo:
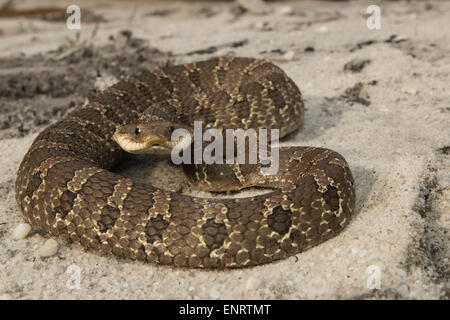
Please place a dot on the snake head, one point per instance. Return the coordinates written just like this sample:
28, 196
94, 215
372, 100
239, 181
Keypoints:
154, 137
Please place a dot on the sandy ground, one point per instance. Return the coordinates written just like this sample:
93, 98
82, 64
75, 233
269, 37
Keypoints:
388, 116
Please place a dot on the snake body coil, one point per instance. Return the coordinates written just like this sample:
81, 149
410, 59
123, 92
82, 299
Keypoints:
64, 187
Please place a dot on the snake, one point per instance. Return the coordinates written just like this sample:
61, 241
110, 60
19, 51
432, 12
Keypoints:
66, 184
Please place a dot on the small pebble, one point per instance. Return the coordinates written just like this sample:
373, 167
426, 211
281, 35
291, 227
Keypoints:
49, 248
288, 56
252, 284
286, 11
21, 231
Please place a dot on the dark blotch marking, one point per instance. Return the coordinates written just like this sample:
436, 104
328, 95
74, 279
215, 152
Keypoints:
155, 228
219, 97
66, 203
214, 234
108, 218
139, 200
242, 108
33, 184
276, 97
331, 197
280, 220
251, 88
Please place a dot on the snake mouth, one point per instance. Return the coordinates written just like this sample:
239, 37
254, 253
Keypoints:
149, 145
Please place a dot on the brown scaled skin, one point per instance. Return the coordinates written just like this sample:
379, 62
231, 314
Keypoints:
64, 185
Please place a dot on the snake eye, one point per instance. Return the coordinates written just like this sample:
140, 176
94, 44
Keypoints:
137, 132
171, 129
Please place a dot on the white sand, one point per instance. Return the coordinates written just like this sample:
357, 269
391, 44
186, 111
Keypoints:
402, 179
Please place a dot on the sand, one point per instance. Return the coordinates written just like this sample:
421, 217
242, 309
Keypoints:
387, 113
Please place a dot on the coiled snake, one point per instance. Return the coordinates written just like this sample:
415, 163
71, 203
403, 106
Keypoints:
65, 188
